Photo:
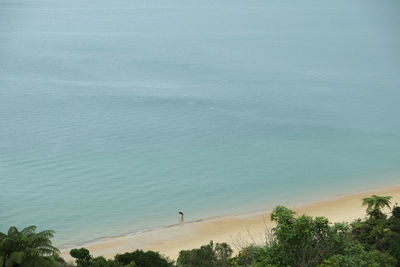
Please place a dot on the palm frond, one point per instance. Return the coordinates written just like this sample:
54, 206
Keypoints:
29, 230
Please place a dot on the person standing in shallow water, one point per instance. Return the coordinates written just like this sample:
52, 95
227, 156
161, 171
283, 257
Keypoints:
181, 218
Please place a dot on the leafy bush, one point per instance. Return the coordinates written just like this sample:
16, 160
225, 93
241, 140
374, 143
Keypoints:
82, 256
302, 241
248, 256
84, 259
143, 259
356, 255
206, 256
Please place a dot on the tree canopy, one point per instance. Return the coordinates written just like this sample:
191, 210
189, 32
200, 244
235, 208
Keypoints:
26, 247
375, 204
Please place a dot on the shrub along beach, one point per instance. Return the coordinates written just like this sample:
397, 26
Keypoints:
294, 239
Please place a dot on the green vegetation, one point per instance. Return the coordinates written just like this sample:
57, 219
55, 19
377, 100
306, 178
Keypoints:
27, 248
138, 258
307, 241
295, 241
375, 204
206, 256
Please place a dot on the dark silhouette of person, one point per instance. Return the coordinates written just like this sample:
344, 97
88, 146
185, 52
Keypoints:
181, 219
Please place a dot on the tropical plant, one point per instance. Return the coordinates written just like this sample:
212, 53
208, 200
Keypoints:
82, 256
248, 256
379, 232
375, 204
356, 255
27, 248
141, 258
302, 241
206, 256
138, 258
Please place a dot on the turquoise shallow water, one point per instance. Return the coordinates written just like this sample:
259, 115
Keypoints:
114, 115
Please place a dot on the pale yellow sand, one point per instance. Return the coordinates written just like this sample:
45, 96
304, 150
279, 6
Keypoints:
235, 230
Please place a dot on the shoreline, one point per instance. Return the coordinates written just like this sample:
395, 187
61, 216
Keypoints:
237, 230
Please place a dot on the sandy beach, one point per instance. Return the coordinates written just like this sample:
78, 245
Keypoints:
238, 231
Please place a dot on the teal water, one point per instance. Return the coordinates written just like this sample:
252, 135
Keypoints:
115, 115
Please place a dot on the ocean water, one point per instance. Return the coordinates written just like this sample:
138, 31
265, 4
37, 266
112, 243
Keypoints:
115, 115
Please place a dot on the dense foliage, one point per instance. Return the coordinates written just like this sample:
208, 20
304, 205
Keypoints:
307, 241
138, 258
295, 241
143, 259
379, 232
206, 256
27, 248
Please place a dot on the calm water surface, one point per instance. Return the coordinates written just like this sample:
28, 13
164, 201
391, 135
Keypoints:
115, 115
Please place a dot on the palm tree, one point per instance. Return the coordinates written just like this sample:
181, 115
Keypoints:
26, 248
375, 204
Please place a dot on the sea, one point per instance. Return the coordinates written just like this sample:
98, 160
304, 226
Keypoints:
116, 115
